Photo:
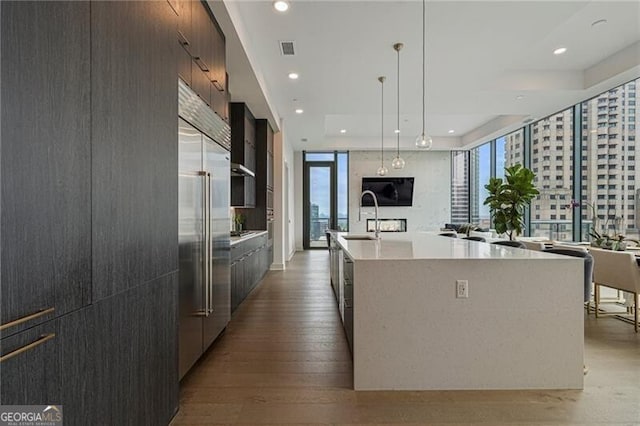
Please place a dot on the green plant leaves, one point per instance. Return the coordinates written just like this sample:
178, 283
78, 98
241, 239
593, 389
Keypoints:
508, 198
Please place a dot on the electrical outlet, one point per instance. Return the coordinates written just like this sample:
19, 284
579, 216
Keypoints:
462, 289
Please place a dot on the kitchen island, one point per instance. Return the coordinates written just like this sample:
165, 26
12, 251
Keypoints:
411, 328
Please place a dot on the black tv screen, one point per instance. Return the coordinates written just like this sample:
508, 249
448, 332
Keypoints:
390, 191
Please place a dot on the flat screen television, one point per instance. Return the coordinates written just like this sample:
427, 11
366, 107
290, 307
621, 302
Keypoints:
390, 191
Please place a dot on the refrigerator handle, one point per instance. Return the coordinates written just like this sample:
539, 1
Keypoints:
211, 250
204, 311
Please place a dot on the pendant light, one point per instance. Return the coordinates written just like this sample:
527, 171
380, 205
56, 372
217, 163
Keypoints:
423, 140
382, 170
398, 163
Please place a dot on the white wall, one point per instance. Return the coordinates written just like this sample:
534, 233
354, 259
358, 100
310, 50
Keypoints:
431, 193
283, 198
431, 196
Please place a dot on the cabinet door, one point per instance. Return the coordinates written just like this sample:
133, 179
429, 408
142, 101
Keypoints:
45, 160
50, 364
136, 367
135, 110
185, 34
200, 82
184, 65
234, 294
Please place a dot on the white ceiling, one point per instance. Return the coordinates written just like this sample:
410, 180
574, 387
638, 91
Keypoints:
480, 56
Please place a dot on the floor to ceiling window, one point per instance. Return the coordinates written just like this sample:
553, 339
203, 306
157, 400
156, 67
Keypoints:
552, 163
611, 130
604, 193
326, 192
480, 168
459, 187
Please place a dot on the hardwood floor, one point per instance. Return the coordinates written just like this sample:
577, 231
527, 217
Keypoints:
284, 360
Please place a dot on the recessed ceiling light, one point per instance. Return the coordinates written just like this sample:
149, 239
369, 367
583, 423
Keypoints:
281, 6
559, 50
299, 111
598, 22
519, 97
451, 131
343, 130
396, 131
293, 75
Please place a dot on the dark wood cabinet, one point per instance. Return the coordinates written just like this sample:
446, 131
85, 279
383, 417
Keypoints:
134, 119
262, 215
249, 264
243, 151
184, 10
51, 364
184, 64
45, 160
136, 367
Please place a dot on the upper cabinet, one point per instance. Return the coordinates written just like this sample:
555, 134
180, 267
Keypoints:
202, 60
134, 199
46, 162
243, 151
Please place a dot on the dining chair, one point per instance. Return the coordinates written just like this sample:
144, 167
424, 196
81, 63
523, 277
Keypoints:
533, 245
588, 267
618, 270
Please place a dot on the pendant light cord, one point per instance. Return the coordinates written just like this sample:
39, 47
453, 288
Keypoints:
382, 124
398, 119
423, 65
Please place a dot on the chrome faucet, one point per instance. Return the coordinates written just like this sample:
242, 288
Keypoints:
375, 203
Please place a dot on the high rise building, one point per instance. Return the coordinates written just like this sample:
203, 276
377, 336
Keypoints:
610, 133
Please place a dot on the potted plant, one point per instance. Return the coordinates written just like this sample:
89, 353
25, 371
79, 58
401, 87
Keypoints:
508, 198
238, 220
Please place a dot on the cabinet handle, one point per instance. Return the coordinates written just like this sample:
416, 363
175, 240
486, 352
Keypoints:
201, 64
218, 85
30, 346
26, 318
183, 40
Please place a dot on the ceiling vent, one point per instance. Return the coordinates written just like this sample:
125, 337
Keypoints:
287, 48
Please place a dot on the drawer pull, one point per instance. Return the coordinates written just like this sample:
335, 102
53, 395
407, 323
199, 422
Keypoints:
201, 64
182, 39
26, 318
30, 346
347, 305
218, 85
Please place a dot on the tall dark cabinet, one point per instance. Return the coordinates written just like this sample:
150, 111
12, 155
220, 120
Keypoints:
262, 216
46, 162
134, 142
46, 205
243, 151
89, 209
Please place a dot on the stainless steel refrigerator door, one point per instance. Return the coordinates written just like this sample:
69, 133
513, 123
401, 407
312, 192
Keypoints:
191, 245
216, 164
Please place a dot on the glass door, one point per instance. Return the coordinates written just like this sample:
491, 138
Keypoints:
319, 203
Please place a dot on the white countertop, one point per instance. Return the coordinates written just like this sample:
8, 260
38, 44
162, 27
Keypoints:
416, 246
245, 237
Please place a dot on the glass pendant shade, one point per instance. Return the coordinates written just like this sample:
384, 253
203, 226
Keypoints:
397, 163
382, 171
424, 141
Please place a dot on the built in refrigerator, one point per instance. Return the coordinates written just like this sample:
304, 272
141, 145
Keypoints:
203, 233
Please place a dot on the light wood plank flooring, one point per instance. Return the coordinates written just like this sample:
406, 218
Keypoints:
284, 360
